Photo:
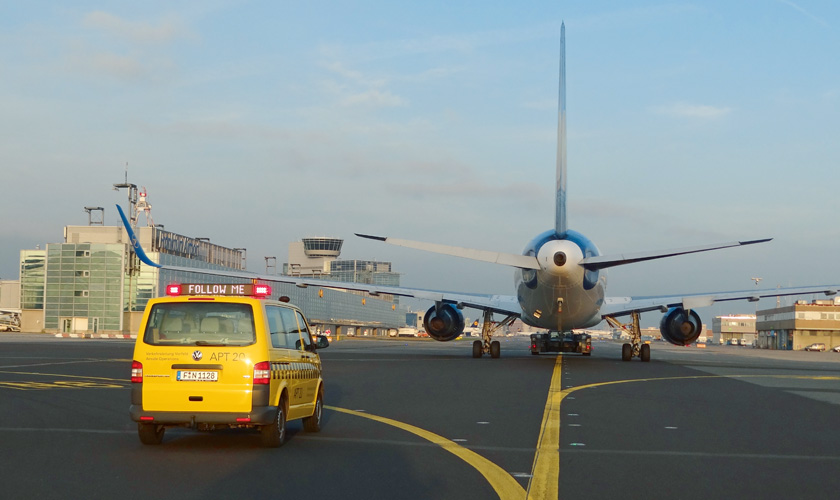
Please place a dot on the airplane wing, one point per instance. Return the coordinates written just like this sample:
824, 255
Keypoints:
530, 262
605, 261
620, 306
506, 259
505, 304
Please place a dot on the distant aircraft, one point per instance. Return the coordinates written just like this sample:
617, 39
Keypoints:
560, 280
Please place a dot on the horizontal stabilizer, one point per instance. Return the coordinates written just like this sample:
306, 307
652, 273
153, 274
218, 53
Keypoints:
605, 261
506, 259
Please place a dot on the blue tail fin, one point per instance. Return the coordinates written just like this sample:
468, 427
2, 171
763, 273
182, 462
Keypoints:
560, 215
135, 243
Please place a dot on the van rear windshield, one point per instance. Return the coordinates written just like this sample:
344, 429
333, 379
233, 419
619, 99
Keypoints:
200, 323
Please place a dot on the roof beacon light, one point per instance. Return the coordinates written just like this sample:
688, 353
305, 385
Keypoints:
173, 290
262, 290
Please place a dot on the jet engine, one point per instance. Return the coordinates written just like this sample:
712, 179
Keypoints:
444, 323
680, 327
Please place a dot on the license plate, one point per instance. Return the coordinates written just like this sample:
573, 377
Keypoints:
198, 376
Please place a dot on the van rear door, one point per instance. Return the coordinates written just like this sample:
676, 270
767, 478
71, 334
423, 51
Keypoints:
197, 356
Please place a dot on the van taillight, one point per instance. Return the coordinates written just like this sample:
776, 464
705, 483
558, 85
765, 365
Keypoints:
262, 373
136, 372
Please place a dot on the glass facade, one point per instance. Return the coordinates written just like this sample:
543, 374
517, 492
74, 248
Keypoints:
83, 286
326, 306
32, 276
168, 276
364, 271
103, 287
322, 247
140, 284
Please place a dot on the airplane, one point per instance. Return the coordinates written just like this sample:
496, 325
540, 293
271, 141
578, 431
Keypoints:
560, 280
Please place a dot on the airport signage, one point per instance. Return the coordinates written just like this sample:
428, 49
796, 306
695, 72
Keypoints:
176, 244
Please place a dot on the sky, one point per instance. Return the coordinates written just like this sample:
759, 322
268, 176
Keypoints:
258, 123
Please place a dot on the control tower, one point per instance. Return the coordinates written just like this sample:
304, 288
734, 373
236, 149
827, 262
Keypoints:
312, 256
322, 247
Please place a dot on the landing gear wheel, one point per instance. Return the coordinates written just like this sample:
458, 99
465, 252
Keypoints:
495, 349
626, 352
477, 349
150, 433
645, 353
274, 434
313, 423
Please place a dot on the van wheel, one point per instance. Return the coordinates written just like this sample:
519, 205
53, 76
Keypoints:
150, 433
313, 423
274, 434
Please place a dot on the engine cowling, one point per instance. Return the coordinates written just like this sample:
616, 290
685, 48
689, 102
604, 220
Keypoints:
444, 323
680, 327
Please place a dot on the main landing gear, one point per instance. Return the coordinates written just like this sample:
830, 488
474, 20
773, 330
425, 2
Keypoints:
635, 349
487, 345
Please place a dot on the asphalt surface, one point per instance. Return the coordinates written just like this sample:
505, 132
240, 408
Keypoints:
421, 419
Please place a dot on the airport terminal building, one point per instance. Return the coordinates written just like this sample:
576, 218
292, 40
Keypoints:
734, 329
93, 283
797, 326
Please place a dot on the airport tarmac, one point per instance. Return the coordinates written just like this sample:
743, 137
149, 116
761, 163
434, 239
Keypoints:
422, 419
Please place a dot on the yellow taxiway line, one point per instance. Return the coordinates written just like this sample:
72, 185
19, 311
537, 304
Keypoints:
505, 485
545, 473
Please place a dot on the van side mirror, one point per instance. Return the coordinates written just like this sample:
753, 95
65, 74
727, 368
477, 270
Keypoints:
322, 342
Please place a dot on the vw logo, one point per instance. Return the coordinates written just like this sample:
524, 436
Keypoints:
197, 355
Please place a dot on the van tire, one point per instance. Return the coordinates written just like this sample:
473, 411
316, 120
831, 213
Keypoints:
150, 433
313, 423
274, 434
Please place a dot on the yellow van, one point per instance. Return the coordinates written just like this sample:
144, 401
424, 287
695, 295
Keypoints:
224, 356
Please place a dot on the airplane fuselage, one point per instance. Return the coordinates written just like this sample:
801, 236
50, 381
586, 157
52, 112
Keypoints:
562, 294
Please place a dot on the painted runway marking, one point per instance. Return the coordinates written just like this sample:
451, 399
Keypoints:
55, 363
503, 483
58, 384
546, 469
693, 454
77, 382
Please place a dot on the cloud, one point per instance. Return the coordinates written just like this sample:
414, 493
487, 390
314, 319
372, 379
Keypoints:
132, 60
354, 75
374, 93
118, 66
541, 105
374, 97
165, 30
125, 67
805, 12
702, 111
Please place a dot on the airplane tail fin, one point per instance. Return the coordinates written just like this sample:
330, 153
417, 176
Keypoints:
135, 242
560, 215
